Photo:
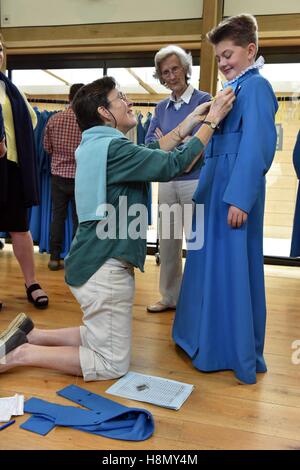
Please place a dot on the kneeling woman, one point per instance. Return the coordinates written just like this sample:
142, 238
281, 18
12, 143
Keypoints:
111, 172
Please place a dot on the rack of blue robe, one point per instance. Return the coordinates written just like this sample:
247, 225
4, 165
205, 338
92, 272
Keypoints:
40, 216
141, 131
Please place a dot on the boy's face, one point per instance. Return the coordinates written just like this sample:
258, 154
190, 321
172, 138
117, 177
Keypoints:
232, 59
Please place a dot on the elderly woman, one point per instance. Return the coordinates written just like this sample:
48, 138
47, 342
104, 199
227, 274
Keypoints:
173, 68
18, 180
111, 184
221, 313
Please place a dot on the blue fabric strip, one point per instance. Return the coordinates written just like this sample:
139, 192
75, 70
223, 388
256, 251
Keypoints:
105, 417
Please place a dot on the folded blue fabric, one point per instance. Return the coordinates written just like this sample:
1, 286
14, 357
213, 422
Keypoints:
106, 418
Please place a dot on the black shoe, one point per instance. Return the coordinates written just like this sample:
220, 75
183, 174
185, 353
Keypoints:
56, 264
21, 322
11, 340
41, 301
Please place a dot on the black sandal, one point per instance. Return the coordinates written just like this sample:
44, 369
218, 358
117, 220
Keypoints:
41, 301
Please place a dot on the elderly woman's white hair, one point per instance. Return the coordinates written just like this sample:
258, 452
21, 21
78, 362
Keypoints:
184, 57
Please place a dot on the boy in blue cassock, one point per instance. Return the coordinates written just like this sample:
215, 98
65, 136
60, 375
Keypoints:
221, 313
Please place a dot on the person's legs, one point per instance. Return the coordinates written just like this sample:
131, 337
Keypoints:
106, 301
177, 193
185, 191
52, 349
101, 348
63, 358
59, 337
74, 212
170, 245
23, 250
60, 201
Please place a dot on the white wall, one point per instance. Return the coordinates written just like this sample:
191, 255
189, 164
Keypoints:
66, 12
261, 7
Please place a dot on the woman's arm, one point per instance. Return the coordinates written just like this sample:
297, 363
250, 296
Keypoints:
212, 111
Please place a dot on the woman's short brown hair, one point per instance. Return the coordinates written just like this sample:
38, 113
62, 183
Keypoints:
241, 29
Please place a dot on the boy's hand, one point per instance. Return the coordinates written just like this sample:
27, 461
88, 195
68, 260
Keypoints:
236, 217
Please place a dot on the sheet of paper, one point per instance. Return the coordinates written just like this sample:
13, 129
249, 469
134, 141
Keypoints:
11, 406
150, 389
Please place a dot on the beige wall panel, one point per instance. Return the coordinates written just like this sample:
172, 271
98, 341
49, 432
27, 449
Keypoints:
271, 231
261, 7
284, 182
281, 220
16, 13
136, 36
277, 194
115, 37
285, 207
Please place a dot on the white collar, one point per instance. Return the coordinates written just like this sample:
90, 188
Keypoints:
258, 64
184, 98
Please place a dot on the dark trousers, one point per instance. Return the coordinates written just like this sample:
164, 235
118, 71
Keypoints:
62, 194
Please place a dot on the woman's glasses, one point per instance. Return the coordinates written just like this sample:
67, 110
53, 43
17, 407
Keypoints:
120, 96
174, 71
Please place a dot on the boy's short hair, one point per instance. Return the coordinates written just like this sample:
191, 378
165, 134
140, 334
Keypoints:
241, 29
88, 99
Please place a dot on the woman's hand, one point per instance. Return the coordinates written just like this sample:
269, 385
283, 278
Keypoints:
236, 217
193, 119
200, 112
2, 148
221, 105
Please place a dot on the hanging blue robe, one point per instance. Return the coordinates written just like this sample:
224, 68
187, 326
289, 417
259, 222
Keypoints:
295, 245
221, 312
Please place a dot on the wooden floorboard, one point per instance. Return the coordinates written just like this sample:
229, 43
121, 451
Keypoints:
220, 413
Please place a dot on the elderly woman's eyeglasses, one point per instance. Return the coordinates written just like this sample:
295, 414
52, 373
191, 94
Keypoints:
174, 71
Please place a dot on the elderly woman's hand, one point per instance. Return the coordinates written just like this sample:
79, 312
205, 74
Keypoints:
221, 105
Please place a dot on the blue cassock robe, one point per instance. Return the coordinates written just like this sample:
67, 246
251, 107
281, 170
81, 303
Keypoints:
295, 245
221, 313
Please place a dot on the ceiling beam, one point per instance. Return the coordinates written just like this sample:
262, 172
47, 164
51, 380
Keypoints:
212, 15
141, 82
57, 77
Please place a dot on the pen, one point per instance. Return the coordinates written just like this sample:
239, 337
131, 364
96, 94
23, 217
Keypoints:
7, 424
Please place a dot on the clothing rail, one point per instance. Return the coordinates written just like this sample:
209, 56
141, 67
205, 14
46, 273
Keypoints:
288, 98
149, 104
135, 103
46, 100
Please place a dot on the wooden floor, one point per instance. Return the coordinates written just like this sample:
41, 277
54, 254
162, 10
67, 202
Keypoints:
220, 413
